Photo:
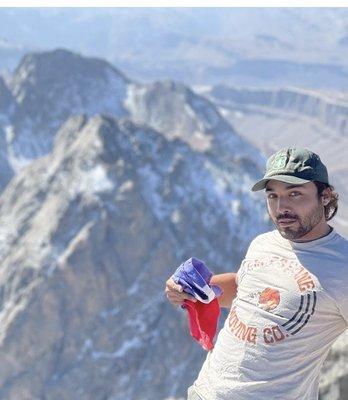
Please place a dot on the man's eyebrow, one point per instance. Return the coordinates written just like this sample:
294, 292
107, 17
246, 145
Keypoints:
269, 189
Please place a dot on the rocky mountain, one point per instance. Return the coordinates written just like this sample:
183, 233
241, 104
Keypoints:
7, 105
172, 108
328, 109
89, 234
121, 182
48, 88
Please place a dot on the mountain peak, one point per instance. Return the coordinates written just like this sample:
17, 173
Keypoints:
60, 64
173, 109
61, 69
51, 86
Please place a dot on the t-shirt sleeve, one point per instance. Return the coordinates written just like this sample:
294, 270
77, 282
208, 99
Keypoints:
248, 254
253, 246
343, 307
340, 290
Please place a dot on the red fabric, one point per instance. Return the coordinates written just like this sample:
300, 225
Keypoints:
203, 319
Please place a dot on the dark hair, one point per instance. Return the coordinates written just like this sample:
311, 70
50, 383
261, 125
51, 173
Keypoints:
331, 208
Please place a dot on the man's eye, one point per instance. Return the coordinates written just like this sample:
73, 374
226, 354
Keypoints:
294, 194
271, 196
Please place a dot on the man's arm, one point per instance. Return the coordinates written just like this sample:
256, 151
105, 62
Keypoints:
227, 282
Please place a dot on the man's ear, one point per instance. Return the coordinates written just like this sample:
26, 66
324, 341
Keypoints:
326, 196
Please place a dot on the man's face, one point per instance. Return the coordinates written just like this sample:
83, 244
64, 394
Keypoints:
296, 210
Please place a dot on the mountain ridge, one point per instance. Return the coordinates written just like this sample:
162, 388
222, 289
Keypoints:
78, 213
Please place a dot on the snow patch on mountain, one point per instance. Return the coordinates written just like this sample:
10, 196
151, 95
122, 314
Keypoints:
94, 181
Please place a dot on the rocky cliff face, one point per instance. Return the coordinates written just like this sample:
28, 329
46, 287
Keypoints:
48, 88
328, 110
7, 105
175, 110
89, 234
91, 231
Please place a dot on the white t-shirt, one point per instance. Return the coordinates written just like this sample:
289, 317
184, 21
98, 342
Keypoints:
291, 305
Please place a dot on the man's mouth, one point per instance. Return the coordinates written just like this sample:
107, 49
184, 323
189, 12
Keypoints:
284, 221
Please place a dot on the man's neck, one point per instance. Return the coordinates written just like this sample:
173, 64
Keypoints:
319, 231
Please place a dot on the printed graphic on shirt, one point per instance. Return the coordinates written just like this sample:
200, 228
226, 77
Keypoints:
240, 329
291, 298
269, 299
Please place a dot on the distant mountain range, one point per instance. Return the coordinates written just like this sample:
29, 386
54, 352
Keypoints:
304, 47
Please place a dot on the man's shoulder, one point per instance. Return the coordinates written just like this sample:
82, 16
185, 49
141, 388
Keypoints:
341, 244
341, 238
264, 239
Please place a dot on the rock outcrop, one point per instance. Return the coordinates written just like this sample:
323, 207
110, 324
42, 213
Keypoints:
89, 234
49, 87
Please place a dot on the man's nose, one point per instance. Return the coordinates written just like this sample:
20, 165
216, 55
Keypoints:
283, 204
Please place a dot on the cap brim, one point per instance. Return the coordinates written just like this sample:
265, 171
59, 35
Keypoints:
282, 178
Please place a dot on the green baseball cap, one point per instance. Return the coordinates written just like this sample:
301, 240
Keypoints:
296, 166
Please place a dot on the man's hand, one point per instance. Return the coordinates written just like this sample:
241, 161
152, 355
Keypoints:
175, 293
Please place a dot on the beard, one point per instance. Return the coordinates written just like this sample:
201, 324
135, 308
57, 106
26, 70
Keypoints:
302, 225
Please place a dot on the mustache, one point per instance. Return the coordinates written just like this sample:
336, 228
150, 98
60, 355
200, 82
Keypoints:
279, 217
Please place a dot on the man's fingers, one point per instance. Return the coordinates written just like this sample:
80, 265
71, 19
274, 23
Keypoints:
176, 297
189, 297
172, 286
175, 287
175, 293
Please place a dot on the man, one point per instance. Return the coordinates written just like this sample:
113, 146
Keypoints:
289, 300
